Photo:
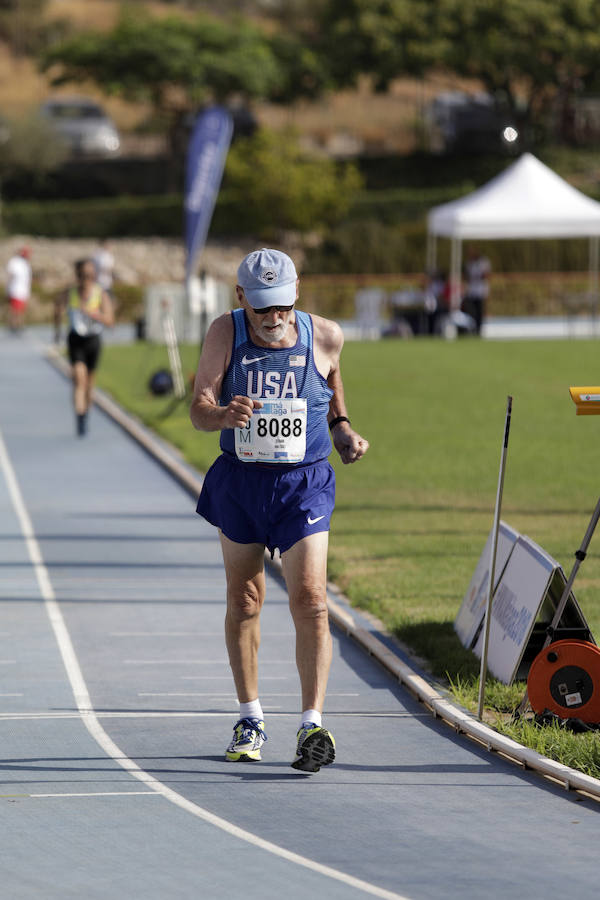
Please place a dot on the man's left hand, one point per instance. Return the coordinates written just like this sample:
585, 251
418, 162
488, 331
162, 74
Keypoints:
350, 445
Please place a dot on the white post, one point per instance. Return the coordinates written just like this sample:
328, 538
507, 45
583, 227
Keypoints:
431, 261
172, 349
492, 577
593, 278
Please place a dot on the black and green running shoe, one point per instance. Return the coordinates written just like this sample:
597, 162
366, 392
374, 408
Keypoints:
315, 748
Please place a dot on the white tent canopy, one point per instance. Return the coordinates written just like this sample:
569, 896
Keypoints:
527, 200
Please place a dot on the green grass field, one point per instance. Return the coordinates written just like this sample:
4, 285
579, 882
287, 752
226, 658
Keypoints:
412, 517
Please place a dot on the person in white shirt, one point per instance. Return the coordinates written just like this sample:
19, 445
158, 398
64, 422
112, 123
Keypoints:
18, 287
104, 262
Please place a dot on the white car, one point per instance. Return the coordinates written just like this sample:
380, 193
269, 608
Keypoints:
83, 125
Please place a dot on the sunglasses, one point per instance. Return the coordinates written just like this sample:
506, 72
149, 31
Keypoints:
265, 310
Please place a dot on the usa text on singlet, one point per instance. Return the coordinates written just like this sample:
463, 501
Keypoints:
291, 426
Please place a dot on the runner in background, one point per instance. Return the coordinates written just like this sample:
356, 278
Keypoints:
89, 309
269, 380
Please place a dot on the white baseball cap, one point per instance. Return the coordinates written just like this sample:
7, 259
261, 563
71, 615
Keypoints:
268, 278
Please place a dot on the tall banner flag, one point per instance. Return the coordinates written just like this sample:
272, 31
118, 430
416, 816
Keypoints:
207, 152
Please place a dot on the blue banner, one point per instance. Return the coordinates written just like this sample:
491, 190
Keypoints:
207, 152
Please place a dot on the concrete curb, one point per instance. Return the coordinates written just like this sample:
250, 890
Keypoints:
346, 621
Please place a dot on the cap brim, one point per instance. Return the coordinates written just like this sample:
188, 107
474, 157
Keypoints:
278, 295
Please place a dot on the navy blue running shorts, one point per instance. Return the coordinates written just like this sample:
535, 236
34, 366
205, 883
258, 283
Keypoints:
256, 504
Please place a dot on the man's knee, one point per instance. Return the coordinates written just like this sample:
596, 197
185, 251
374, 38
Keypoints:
244, 603
309, 602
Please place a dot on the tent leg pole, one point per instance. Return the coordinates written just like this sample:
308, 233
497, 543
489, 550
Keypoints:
431, 263
593, 279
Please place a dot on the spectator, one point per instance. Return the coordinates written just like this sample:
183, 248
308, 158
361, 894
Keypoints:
477, 276
104, 262
18, 287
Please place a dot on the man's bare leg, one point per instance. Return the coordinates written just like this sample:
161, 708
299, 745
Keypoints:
305, 572
244, 570
89, 389
80, 388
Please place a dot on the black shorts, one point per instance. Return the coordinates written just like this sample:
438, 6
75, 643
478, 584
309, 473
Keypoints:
84, 349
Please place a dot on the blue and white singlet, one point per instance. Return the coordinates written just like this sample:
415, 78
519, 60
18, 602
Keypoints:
273, 374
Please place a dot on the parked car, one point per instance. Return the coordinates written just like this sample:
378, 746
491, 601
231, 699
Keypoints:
457, 122
84, 126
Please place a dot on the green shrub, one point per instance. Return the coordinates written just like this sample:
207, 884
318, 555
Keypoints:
106, 217
274, 185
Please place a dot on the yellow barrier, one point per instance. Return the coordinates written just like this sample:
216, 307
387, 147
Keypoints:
586, 399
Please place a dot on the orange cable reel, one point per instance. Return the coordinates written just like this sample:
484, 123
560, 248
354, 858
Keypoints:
564, 678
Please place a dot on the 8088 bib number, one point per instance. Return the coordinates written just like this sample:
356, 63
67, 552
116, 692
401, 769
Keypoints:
275, 433
275, 428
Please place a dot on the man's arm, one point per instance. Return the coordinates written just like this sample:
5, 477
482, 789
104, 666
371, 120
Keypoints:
205, 412
329, 340
348, 443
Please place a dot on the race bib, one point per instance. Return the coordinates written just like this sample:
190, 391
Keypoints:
276, 433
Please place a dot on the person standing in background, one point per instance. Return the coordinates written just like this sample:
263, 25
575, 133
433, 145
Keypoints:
477, 276
104, 262
18, 287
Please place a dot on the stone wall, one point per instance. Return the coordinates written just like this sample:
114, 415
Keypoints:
137, 261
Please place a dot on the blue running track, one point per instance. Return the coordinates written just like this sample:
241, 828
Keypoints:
116, 704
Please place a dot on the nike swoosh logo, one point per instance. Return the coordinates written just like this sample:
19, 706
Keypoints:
312, 521
246, 361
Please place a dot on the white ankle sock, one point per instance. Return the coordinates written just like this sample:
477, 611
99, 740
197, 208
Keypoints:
311, 715
251, 710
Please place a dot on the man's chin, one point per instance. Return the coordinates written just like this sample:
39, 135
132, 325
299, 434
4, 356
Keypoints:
272, 337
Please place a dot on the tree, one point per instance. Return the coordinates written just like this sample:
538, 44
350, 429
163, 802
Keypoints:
529, 54
176, 65
383, 38
526, 52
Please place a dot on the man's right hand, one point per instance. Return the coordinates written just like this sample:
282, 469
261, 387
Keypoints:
238, 411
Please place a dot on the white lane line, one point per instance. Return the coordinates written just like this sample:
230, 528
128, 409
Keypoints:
230, 696
175, 662
98, 794
91, 722
11, 695
228, 677
200, 662
186, 714
194, 634
8, 662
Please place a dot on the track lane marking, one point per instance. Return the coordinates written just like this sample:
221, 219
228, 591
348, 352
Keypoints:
91, 722
73, 794
184, 714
